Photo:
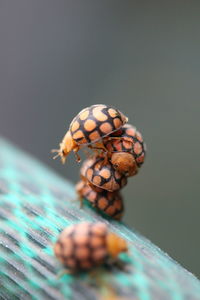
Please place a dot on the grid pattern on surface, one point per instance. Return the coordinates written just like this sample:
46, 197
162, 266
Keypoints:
35, 205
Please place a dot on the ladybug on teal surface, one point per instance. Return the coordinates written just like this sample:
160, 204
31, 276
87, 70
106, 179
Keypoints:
87, 245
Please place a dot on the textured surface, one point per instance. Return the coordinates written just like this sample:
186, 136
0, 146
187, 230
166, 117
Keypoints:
35, 205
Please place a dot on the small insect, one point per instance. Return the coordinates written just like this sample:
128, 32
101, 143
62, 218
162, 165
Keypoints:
89, 127
126, 150
110, 203
101, 175
86, 245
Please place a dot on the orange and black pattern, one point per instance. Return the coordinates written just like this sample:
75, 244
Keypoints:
82, 246
95, 122
110, 203
127, 139
102, 175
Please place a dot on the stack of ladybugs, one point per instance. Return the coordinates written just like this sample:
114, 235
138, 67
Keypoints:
118, 151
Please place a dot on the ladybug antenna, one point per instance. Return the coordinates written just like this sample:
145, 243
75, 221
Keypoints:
56, 151
60, 153
78, 159
56, 156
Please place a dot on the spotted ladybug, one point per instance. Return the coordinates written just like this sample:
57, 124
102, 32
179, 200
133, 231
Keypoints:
86, 245
102, 175
110, 203
89, 127
126, 150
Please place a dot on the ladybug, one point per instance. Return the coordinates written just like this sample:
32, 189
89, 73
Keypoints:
83, 246
126, 150
89, 127
101, 175
108, 202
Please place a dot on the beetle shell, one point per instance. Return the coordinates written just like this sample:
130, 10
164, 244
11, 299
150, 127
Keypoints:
82, 246
95, 122
102, 175
111, 203
131, 141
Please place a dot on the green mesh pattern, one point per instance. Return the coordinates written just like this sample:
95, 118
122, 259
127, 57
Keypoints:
35, 205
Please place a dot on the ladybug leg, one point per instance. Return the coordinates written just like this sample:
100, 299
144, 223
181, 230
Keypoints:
78, 158
99, 146
107, 157
99, 151
103, 152
110, 138
118, 263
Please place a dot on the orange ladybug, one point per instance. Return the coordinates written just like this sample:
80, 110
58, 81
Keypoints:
101, 175
126, 150
86, 245
89, 127
111, 203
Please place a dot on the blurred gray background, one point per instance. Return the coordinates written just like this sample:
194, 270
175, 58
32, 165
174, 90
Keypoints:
57, 57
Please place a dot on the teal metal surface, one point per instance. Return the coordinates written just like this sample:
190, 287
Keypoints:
35, 205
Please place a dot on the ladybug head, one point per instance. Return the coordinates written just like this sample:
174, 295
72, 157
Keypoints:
124, 163
115, 245
66, 146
